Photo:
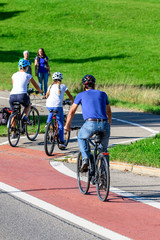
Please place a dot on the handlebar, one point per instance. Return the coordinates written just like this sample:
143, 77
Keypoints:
67, 102
75, 128
31, 90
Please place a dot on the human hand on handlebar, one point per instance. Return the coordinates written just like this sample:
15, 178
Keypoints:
67, 128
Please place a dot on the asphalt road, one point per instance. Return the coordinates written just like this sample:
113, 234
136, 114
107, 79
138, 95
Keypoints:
22, 220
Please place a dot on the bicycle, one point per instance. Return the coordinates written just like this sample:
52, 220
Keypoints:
98, 171
51, 136
17, 126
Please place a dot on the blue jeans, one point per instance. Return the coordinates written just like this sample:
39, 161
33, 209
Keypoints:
60, 119
43, 77
87, 131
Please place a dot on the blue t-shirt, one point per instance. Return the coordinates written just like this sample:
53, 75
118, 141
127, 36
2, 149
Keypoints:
93, 104
42, 68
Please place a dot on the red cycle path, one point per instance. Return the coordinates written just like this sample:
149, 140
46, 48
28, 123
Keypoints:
30, 171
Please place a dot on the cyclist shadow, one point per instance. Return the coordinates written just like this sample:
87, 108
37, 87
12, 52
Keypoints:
112, 197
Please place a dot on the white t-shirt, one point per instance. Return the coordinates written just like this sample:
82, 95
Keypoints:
54, 99
20, 82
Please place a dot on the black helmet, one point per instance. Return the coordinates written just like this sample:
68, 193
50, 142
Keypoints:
88, 79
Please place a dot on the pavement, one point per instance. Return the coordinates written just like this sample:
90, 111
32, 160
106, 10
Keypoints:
127, 126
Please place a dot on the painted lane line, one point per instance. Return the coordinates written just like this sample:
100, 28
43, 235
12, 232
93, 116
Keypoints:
137, 125
59, 166
4, 98
62, 213
3, 143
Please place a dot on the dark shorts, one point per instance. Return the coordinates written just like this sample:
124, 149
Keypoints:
22, 98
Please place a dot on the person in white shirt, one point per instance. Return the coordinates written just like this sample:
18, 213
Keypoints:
20, 81
55, 95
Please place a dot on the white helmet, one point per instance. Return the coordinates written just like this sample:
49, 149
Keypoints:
57, 76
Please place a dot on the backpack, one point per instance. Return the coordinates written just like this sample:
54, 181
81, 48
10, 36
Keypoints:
4, 115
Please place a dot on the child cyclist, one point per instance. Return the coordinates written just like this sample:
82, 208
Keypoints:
55, 95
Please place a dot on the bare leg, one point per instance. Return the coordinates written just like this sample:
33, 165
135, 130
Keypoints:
26, 110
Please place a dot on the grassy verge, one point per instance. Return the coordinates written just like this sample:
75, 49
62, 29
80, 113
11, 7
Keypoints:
145, 152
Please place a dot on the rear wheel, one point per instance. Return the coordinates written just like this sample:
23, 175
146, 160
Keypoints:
32, 129
102, 176
49, 139
13, 130
83, 177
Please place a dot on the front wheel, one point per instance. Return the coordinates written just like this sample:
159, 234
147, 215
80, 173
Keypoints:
13, 126
66, 137
102, 176
83, 176
49, 139
32, 129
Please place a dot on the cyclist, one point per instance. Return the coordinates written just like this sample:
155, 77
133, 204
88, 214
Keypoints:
96, 113
20, 81
55, 95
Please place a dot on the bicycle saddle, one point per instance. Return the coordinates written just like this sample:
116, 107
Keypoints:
98, 137
54, 111
16, 103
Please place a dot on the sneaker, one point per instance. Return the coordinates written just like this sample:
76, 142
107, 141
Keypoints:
61, 145
25, 120
14, 135
93, 180
85, 164
43, 97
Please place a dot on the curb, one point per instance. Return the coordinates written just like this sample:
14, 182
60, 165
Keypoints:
136, 169
126, 167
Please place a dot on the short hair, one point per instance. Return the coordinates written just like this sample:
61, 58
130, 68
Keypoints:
25, 52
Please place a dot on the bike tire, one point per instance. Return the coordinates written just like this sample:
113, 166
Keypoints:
49, 139
32, 129
66, 138
83, 178
13, 120
66, 133
102, 176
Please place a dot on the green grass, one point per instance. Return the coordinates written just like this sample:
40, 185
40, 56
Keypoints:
115, 40
144, 152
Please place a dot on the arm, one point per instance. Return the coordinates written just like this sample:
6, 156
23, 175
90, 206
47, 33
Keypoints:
35, 63
109, 113
36, 85
49, 73
31, 70
70, 116
70, 96
47, 94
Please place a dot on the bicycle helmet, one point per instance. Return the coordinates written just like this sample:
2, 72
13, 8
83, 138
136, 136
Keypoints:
88, 79
23, 63
57, 76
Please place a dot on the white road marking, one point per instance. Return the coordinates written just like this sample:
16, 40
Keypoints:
3, 143
59, 166
62, 213
137, 125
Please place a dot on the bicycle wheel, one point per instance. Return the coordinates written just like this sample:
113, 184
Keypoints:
83, 177
13, 126
102, 176
49, 139
32, 129
66, 137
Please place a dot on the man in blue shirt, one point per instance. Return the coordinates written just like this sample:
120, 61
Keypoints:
96, 113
